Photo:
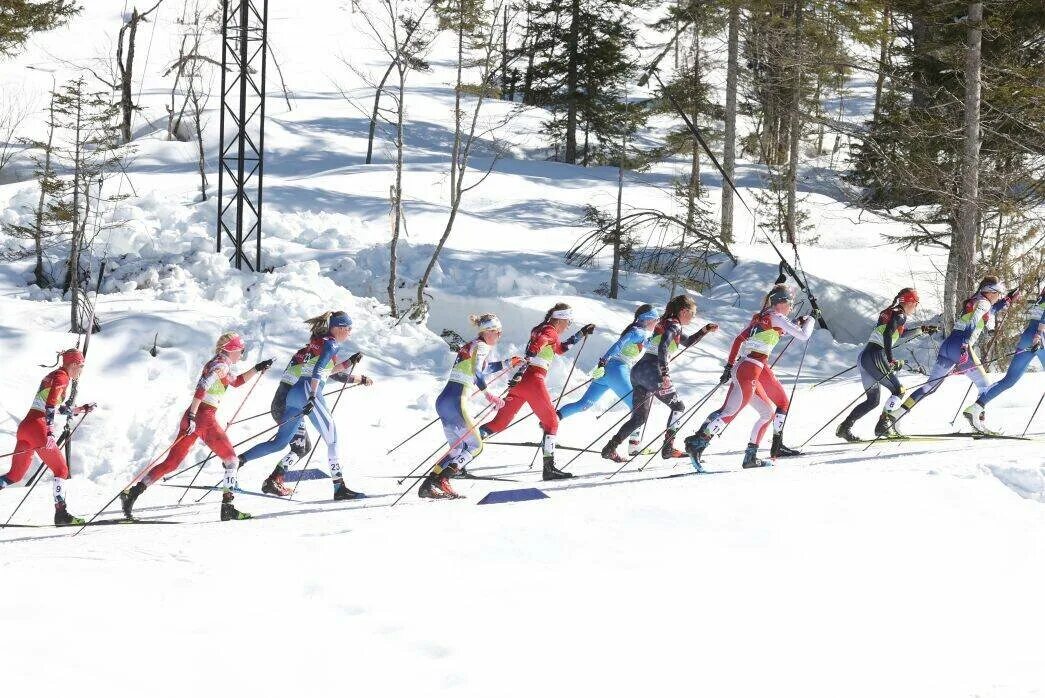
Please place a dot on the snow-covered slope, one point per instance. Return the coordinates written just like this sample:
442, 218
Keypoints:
907, 569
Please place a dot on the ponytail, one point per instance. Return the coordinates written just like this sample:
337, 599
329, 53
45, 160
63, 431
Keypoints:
555, 308
677, 304
644, 308
319, 325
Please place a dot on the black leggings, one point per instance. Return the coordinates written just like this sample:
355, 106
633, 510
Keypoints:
645, 384
874, 371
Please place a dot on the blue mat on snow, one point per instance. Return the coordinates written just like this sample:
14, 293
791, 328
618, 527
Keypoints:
522, 495
308, 474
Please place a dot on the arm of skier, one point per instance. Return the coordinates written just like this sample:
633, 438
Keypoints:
887, 336
700, 334
672, 332
982, 310
563, 347
802, 332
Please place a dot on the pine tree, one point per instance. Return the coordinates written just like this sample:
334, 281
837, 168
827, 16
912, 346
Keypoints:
20, 19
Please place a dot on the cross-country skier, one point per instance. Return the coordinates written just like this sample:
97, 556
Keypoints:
312, 366
651, 376
200, 421
527, 386
472, 368
752, 380
614, 369
958, 353
35, 433
879, 367
1031, 344
300, 443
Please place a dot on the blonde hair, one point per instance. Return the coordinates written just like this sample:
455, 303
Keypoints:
224, 339
477, 320
320, 324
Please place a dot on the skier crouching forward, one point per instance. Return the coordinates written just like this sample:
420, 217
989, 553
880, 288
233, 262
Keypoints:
200, 421
528, 387
36, 433
650, 377
471, 368
752, 380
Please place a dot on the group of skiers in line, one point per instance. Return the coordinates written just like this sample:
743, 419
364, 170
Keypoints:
636, 368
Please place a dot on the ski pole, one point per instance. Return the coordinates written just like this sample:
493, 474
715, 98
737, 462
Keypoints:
858, 398
600, 437
837, 375
794, 386
496, 377
32, 484
454, 445
990, 348
1033, 414
319, 437
952, 372
60, 442
267, 412
569, 375
229, 423
141, 473
683, 420
624, 397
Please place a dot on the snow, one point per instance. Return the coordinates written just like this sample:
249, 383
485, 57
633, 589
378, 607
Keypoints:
908, 569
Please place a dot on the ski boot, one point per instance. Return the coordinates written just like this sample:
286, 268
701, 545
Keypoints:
976, 415
844, 432
668, 450
635, 448
274, 484
695, 446
753, 461
886, 427
342, 493
63, 518
553, 473
229, 512
609, 452
129, 496
779, 450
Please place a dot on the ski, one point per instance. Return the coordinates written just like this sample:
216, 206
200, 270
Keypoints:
237, 491
99, 522
534, 444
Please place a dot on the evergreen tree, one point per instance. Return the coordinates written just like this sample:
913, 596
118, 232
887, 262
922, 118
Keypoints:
19, 19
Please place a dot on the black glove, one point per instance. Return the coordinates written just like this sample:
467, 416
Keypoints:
85, 408
727, 374
264, 365
340, 377
930, 329
65, 409
588, 329
355, 358
515, 380
365, 380
816, 312
602, 362
782, 277
307, 407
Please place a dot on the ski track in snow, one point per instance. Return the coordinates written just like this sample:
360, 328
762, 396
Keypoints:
906, 569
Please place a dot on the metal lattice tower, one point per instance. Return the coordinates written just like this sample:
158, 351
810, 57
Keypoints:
242, 155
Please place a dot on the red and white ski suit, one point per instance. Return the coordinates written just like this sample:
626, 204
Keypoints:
32, 431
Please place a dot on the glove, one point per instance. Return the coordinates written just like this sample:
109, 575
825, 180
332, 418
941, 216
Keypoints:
964, 358
355, 358
727, 374
86, 408
816, 311
781, 277
515, 361
801, 319
188, 424
51, 444
497, 402
711, 327
896, 364
64, 409
308, 406
598, 373
1036, 343
340, 377
366, 380
930, 329
588, 329
264, 365
665, 384
515, 379
1014, 295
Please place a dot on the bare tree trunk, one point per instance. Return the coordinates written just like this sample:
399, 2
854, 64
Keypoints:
729, 150
38, 271
455, 151
615, 271
796, 129
397, 196
197, 109
883, 61
963, 244
573, 57
72, 281
373, 113
126, 69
